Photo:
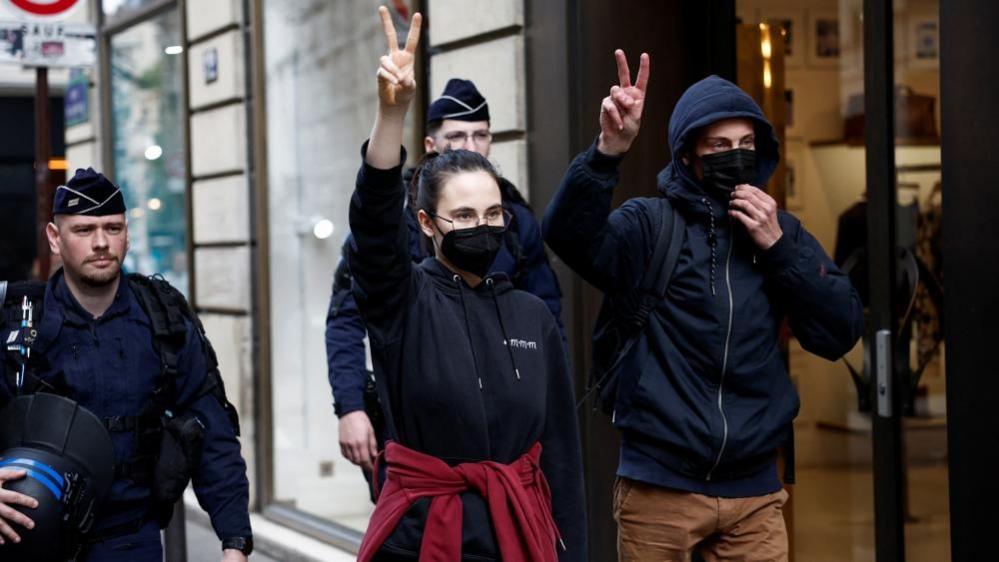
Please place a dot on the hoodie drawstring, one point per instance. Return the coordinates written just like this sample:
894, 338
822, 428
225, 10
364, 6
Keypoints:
506, 338
712, 241
468, 328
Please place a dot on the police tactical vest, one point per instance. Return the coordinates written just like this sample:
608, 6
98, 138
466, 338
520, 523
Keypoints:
166, 442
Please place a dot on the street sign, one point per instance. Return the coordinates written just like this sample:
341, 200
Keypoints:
53, 9
47, 44
210, 65
76, 105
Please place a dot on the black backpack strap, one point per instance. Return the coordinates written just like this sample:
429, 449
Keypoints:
650, 279
650, 292
667, 251
173, 311
169, 316
169, 332
655, 280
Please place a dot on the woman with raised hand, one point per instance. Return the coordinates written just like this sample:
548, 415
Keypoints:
485, 462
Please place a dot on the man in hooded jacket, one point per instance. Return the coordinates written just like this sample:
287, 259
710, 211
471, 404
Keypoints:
704, 400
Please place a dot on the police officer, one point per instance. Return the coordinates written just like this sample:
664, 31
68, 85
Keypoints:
459, 119
98, 345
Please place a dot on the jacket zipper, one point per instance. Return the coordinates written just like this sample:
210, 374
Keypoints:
728, 341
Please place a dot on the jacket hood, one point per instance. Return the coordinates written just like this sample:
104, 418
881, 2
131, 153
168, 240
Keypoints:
713, 99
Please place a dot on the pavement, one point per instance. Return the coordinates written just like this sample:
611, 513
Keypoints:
273, 542
203, 545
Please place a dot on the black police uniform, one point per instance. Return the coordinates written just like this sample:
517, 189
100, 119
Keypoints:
111, 366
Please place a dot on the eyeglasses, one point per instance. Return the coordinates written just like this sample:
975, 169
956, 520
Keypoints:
469, 219
461, 138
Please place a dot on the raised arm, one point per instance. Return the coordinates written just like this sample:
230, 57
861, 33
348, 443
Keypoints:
621, 110
578, 224
379, 258
396, 88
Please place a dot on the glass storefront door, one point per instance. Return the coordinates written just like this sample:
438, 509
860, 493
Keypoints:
806, 62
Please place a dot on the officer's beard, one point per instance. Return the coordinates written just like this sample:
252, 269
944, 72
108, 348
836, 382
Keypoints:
101, 277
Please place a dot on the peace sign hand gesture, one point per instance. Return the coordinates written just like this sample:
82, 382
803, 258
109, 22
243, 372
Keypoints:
396, 79
621, 111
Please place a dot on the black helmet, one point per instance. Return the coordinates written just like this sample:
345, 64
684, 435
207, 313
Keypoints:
68, 458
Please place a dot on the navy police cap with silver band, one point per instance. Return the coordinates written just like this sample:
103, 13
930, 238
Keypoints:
461, 100
88, 193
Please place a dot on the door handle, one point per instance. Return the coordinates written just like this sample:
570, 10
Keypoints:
883, 372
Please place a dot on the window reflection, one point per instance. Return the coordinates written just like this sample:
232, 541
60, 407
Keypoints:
114, 8
148, 145
320, 59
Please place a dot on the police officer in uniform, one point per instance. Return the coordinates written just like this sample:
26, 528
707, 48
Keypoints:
98, 344
458, 119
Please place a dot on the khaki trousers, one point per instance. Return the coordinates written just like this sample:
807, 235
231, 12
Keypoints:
663, 525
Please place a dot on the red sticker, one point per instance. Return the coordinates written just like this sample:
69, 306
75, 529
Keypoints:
40, 9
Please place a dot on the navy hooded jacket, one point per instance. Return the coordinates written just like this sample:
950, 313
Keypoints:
527, 265
470, 374
111, 368
705, 399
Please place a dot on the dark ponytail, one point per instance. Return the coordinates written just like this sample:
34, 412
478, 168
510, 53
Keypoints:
436, 168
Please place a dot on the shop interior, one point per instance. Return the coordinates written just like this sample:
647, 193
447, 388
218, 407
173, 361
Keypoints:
804, 62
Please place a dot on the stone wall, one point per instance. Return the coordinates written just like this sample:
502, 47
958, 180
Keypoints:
221, 192
483, 41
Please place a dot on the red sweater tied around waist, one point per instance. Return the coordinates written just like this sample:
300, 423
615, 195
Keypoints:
517, 495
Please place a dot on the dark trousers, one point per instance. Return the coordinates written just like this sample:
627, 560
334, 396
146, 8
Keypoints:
141, 546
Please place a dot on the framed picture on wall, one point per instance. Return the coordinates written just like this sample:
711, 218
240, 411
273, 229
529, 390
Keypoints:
824, 44
924, 40
789, 26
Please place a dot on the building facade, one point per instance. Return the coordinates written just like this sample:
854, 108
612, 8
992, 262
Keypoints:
234, 127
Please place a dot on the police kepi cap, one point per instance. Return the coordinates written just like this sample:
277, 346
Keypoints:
88, 193
461, 100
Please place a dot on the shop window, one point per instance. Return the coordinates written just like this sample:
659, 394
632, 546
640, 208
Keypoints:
147, 139
320, 61
118, 8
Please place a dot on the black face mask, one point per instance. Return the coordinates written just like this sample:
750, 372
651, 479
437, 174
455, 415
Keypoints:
725, 170
473, 249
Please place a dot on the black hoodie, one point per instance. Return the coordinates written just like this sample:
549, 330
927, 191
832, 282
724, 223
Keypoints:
471, 374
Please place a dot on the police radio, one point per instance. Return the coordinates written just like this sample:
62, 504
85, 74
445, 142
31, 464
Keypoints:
64, 450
